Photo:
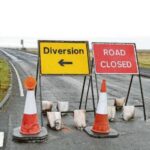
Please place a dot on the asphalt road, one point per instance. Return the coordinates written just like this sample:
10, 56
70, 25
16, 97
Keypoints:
133, 135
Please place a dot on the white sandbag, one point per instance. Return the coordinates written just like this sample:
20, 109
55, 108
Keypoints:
111, 113
54, 120
128, 112
47, 106
119, 102
80, 119
63, 106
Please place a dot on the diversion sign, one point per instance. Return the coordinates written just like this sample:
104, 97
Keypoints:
115, 58
64, 57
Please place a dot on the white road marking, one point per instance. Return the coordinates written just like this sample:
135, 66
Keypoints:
19, 81
1, 139
11, 56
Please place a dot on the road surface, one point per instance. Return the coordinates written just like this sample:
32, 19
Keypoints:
133, 135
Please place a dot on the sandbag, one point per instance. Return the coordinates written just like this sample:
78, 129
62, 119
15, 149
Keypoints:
63, 107
80, 119
54, 120
111, 113
128, 112
46, 106
119, 102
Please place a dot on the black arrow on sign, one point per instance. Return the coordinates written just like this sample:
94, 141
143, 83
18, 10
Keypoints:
62, 62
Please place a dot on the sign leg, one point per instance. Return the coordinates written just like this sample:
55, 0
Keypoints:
83, 86
129, 90
142, 96
92, 94
87, 94
37, 77
41, 99
92, 88
97, 87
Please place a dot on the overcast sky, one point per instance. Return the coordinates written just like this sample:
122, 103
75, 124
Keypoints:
93, 20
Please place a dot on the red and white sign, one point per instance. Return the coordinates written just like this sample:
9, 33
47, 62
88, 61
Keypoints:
115, 58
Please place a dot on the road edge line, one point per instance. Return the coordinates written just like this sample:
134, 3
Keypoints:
2, 139
19, 80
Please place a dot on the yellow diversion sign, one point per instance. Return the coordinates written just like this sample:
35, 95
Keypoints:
64, 57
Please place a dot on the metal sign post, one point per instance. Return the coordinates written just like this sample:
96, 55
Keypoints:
22, 43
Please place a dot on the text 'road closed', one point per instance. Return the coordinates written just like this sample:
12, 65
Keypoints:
115, 58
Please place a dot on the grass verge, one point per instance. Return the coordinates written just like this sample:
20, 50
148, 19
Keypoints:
4, 77
144, 59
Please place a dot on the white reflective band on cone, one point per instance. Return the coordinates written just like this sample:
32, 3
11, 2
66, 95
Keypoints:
30, 105
102, 104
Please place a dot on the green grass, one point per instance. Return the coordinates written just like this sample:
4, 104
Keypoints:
144, 59
4, 77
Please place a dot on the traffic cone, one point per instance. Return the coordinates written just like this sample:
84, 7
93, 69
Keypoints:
30, 130
101, 128
30, 123
101, 123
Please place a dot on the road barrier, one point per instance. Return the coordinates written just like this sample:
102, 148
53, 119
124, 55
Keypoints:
115, 53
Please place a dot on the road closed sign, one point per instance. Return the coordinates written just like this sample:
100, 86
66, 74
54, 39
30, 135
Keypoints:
115, 58
64, 57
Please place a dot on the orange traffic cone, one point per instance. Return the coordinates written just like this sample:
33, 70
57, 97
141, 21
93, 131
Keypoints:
30, 130
30, 123
101, 123
101, 128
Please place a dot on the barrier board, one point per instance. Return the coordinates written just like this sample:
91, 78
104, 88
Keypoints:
64, 57
115, 58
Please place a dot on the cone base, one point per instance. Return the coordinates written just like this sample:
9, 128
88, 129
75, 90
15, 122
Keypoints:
33, 133
100, 132
112, 133
101, 124
38, 138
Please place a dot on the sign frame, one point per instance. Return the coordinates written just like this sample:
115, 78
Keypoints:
64, 41
132, 75
39, 74
121, 43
